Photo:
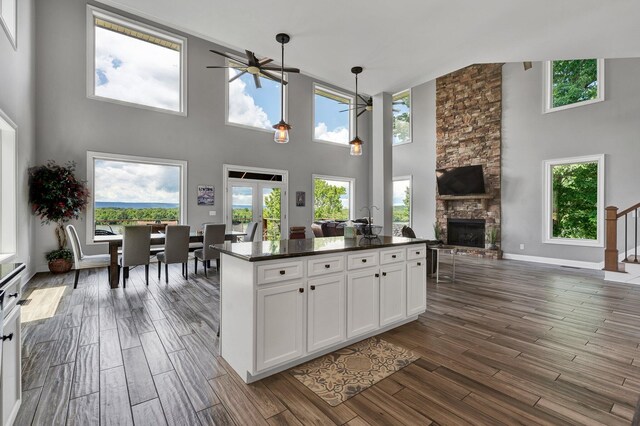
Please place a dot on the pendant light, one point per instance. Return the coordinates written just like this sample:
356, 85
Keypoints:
282, 128
356, 143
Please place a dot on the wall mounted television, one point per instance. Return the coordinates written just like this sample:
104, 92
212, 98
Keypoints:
460, 180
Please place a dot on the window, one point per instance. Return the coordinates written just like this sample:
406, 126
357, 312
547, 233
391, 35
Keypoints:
251, 106
333, 198
401, 203
571, 83
332, 115
8, 185
574, 197
128, 190
402, 117
134, 64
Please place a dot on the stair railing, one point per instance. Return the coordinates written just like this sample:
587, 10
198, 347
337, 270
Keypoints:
612, 217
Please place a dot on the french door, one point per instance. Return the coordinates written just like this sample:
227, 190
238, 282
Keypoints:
254, 200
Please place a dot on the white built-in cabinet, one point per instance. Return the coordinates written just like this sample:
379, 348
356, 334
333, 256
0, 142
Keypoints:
314, 304
11, 353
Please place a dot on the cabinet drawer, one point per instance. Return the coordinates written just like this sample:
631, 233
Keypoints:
392, 256
11, 295
326, 265
362, 260
276, 272
419, 251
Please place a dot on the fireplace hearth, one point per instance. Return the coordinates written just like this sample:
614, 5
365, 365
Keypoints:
466, 232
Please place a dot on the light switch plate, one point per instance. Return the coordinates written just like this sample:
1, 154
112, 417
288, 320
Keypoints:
521, 246
212, 212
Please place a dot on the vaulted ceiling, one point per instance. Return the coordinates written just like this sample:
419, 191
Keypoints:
402, 43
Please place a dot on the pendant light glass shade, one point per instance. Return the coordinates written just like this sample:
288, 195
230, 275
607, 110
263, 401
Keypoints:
282, 132
356, 143
356, 146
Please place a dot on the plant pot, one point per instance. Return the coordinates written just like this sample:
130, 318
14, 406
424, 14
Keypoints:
60, 266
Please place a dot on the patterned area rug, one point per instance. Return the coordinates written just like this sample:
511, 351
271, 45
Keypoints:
344, 373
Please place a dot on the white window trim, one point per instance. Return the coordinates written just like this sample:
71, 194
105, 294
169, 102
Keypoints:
352, 193
246, 126
410, 117
547, 89
92, 156
109, 16
410, 179
13, 37
352, 118
8, 189
547, 202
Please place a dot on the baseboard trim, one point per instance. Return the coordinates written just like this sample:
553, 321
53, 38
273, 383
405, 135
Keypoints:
553, 261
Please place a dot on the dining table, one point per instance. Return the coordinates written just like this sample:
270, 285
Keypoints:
157, 239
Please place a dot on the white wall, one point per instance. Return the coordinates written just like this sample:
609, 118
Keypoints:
17, 101
419, 158
69, 124
529, 137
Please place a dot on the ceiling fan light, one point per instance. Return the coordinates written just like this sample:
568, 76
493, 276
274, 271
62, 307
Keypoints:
281, 134
356, 147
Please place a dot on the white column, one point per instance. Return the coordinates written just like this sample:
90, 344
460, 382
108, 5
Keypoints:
381, 162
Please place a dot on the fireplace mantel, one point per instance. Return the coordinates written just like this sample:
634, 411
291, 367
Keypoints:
484, 199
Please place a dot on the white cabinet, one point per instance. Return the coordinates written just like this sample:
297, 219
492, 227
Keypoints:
392, 256
393, 294
326, 308
362, 302
325, 265
11, 389
280, 322
416, 287
271, 273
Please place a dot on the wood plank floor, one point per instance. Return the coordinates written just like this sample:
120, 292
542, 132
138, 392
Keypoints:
508, 343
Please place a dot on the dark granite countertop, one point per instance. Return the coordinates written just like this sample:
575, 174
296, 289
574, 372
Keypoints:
8, 271
267, 250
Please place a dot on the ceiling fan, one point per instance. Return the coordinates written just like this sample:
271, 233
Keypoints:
367, 105
254, 66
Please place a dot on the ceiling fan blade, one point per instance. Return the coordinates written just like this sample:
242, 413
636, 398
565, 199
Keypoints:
227, 56
286, 69
265, 61
256, 80
363, 99
240, 67
361, 112
251, 57
240, 74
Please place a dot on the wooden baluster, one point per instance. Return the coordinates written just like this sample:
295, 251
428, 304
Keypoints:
611, 241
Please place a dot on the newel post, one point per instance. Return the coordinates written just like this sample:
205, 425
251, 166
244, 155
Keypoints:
611, 239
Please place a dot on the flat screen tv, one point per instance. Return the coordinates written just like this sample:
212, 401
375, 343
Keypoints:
460, 180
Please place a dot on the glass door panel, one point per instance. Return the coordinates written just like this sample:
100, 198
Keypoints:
242, 206
271, 214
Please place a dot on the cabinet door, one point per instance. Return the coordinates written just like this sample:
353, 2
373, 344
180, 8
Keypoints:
11, 368
280, 322
416, 287
362, 302
325, 312
393, 294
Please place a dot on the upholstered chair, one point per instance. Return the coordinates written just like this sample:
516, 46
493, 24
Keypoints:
251, 231
213, 234
83, 261
136, 246
176, 249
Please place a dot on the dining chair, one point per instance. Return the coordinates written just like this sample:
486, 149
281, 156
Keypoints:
176, 249
213, 234
83, 261
251, 231
136, 246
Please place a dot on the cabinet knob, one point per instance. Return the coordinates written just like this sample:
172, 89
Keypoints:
377, 275
282, 272
301, 290
417, 252
9, 337
419, 263
393, 256
327, 266
313, 287
384, 274
364, 260
13, 295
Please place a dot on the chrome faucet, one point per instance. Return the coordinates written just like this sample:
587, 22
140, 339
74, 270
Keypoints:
370, 218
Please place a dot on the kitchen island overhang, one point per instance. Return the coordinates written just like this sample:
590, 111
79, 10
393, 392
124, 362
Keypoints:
286, 302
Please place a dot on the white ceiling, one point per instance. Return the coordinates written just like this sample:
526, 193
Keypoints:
402, 43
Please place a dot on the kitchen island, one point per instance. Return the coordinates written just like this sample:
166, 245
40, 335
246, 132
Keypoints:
286, 302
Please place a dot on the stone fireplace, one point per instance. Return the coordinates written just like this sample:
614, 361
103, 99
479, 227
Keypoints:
469, 132
466, 232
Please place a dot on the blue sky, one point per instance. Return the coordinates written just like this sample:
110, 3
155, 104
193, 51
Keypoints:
121, 181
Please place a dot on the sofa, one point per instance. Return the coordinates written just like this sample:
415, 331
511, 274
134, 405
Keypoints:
331, 228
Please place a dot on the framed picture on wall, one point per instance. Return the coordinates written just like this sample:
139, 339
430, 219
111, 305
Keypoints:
300, 199
9, 20
206, 195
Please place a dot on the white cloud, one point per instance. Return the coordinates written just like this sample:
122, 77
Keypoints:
133, 70
242, 107
118, 181
339, 134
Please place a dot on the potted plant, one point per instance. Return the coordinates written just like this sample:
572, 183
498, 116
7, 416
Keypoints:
57, 196
492, 238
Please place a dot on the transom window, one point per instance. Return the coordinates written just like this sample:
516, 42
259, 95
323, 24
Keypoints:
574, 197
135, 64
333, 198
332, 115
571, 83
128, 190
401, 203
251, 106
402, 117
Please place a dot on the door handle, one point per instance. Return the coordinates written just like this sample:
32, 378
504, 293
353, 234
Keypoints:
282, 272
313, 287
9, 337
13, 295
384, 274
301, 290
